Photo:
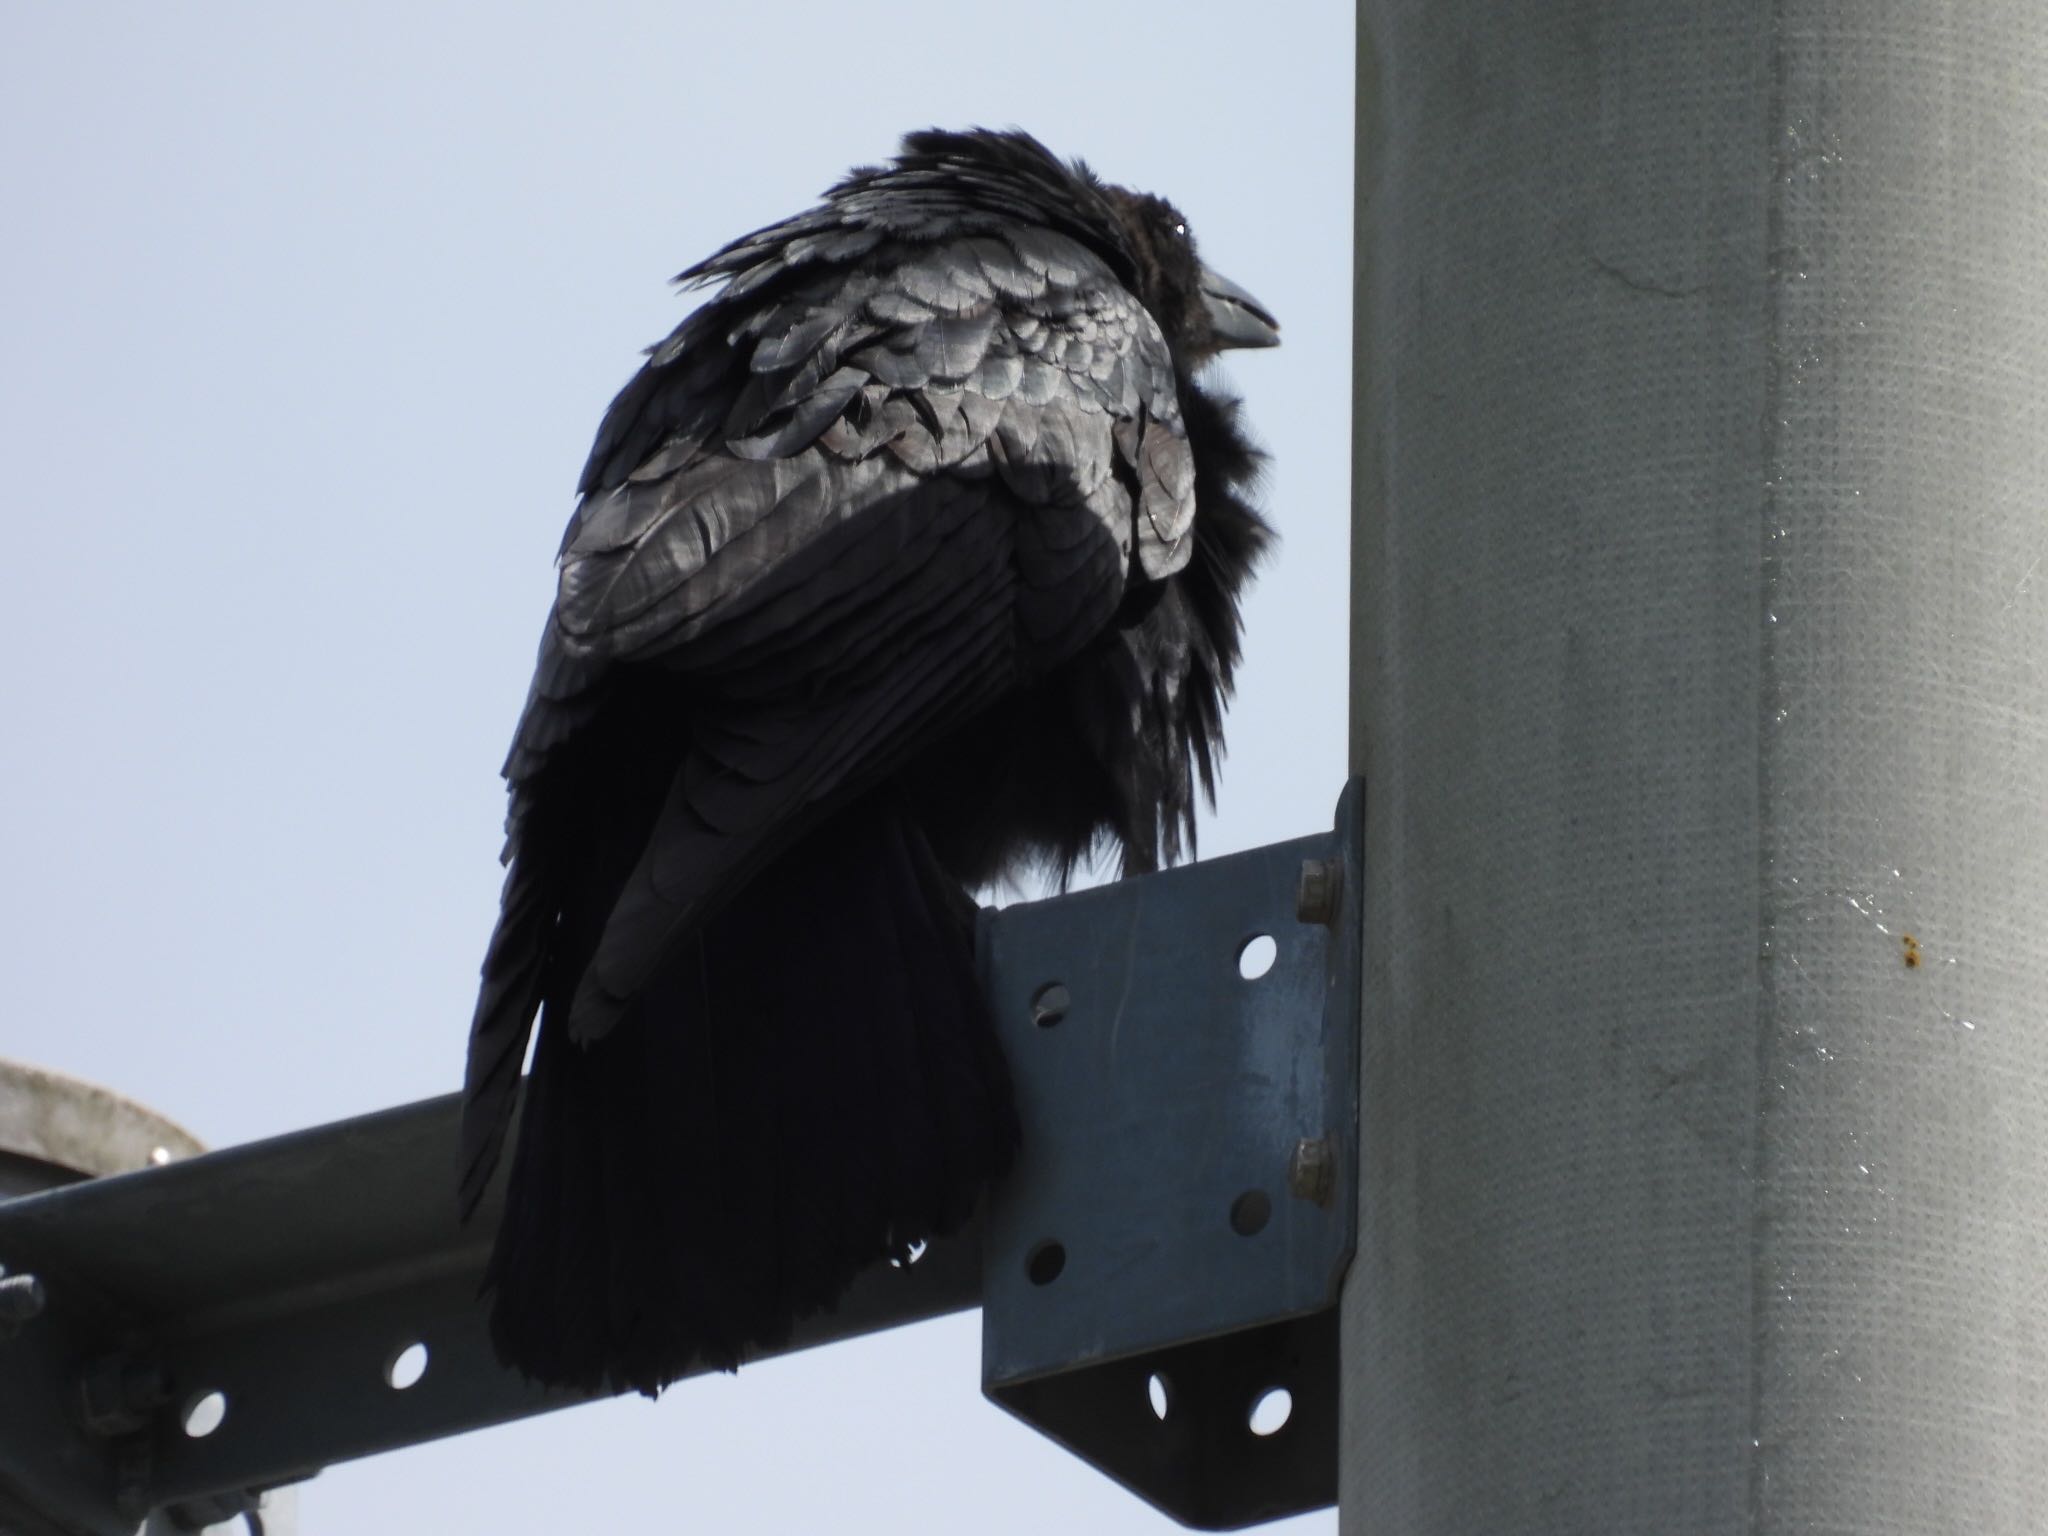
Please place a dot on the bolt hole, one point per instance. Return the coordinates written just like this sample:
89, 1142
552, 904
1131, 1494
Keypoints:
406, 1367
908, 1255
1270, 1413
1250, 1212
1156, 1390
1256, 956
1044, 1263
1049, 1004
204, 1414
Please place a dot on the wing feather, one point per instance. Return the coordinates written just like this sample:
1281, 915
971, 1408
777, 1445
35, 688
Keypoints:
895, 469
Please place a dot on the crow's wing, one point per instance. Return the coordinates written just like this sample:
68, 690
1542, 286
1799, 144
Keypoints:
869, 489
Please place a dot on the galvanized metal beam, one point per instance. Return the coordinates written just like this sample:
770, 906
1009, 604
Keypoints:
227, 1324
287, 1277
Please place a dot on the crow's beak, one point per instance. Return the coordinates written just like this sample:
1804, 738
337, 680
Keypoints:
1236, 319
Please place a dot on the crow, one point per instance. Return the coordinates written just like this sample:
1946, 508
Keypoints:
909, 562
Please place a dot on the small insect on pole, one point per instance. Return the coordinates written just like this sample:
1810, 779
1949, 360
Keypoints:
1701, 670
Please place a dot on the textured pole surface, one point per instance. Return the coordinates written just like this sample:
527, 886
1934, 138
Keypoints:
1701, 656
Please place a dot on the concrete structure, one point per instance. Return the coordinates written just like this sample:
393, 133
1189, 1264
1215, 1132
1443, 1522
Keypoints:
55, 1130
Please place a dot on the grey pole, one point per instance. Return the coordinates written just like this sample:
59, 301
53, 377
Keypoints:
1701, 658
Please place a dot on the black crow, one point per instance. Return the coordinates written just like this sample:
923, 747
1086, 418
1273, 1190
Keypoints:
909, 560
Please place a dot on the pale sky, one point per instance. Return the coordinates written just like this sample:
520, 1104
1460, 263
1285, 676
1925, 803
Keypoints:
310, 316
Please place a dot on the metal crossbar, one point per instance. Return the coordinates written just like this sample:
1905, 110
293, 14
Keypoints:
1187, 1153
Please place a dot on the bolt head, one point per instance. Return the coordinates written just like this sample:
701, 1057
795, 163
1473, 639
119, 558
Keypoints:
21, 1298
1312, 1170
1320, 893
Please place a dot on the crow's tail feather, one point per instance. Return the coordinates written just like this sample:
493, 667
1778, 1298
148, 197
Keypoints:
811, 1085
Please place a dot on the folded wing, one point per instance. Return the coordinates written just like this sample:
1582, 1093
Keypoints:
879, 482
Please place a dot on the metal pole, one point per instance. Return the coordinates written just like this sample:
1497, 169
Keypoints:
1701, 658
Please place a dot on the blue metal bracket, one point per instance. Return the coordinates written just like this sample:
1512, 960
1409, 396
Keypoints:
1164, 1264
1190, 1140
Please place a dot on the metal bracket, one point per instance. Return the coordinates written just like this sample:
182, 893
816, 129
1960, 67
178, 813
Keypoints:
1165, 1262
292, 1279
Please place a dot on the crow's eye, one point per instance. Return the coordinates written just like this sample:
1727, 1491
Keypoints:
1180, 228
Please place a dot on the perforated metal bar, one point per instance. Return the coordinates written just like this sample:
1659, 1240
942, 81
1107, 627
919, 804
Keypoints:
289, 1276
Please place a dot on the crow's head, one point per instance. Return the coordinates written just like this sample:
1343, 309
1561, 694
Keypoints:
1201, 311
1003, 174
